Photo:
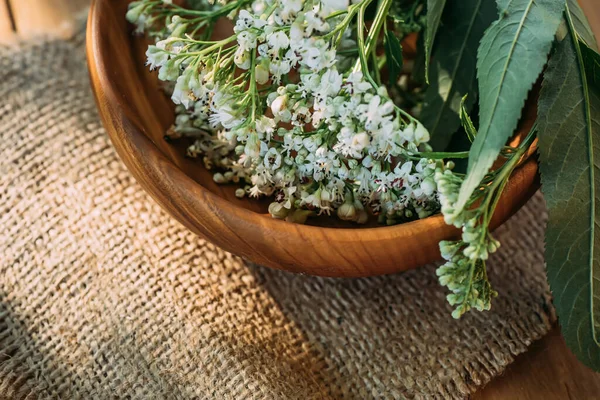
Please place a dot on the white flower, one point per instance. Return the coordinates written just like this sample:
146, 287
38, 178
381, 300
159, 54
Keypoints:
291, 143
334, 5
242, 58
279, 68
355, 83
183, 93
421, 134
377, 113
222, 113
310, 83
360, 141
314, 23
312, 143
272, 159
331, 83
292, 58
408, 133
296, 33
321, 199
265, 126
363, 176
323, 161
316, 55
246, 21
247, 40
278, 41
291, 8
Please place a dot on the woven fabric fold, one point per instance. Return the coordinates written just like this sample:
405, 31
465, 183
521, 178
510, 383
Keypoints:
102, 295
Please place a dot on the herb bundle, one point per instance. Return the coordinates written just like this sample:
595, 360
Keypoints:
315, 104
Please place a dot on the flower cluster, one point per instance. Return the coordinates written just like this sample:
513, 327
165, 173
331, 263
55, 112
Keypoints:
285, 108
464, 272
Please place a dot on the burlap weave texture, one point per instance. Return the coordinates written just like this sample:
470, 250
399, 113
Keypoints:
103, 296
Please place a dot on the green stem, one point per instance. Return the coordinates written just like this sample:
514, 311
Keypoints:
439, 155
501, 180
371, 42
352, 10
253, 85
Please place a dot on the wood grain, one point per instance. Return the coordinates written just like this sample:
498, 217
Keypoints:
55, 17
7, 32
549, 371
136, 115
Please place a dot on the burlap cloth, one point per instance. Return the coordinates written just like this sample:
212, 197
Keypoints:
103, 296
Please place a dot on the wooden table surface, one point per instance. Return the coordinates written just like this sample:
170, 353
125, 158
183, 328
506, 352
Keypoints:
546, 371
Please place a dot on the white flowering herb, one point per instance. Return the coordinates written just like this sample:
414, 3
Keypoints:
292, 106
315, 105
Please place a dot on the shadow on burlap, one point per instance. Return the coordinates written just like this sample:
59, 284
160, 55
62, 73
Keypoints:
103, 296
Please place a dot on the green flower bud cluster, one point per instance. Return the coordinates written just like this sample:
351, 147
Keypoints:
464, 271
464, 274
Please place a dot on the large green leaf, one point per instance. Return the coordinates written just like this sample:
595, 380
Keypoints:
581, 24
453, 71
591, 61
393, 54
569, 145
511, 56
435, 8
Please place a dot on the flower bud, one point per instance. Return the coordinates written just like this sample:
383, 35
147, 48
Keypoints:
347, 212
408, 133
299, 216
219, 178
278, 104
252, 148
493, 245
277, 210
360, 141
470, 236
421, 134
135, 11
261, 74
362, 216
428, 186
448, 249
242, 58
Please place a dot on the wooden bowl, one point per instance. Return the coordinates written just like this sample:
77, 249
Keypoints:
136, 115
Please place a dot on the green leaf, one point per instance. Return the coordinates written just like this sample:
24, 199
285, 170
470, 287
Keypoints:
393, 54
418, 73
511, 56
569, 147
591, 61
453, 71
435, 8
466, 121
581, 24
